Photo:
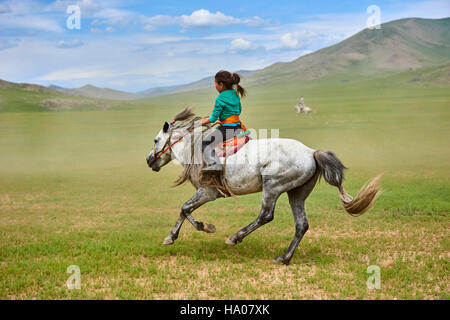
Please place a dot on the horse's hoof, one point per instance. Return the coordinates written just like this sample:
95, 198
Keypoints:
230, 242
280, 260
209, 228
168, 241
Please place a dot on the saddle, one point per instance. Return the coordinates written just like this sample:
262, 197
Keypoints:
231, 146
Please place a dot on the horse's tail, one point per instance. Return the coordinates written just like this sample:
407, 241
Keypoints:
332, 169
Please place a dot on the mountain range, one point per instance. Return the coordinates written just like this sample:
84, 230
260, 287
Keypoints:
401, 45
398, 46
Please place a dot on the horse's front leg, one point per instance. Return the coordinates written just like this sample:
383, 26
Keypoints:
175, 231
202, 196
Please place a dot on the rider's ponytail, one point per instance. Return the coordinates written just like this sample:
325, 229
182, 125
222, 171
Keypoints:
236, 80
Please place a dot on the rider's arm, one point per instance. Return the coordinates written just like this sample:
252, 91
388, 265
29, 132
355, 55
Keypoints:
217, 111
214, 116
204, 121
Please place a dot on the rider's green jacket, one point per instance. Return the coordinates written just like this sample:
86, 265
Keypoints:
227, 104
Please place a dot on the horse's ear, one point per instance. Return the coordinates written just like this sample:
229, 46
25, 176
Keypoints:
166, 127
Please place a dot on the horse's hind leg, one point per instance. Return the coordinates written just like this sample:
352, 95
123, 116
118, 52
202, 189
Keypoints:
202, 196
297, 199
266, 215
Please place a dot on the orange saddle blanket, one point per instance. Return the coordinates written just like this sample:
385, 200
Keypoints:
231, 146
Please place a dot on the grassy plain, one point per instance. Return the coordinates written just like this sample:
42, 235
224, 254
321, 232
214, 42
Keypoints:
75, 190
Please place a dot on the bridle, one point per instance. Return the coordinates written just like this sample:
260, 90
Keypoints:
160, 153
165, 149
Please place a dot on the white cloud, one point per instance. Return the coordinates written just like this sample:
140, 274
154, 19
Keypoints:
203, 18
112, 16
242, 45
30, 22
199, 19
151, 23
255, 22
289, 40
67, 44
297, 39
26, 15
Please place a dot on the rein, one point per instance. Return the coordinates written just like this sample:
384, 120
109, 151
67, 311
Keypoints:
168, 148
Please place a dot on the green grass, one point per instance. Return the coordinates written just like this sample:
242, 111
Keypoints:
75, 190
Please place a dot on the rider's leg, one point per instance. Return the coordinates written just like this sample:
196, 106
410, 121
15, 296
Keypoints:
212, 162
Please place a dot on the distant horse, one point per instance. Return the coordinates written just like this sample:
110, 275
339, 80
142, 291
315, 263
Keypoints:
302, 109
273, 166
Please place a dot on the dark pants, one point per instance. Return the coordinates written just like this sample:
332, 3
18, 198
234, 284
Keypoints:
221, 134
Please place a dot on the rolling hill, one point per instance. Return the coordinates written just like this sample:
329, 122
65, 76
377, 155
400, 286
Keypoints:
200, 84
90, 91
401, 45
24, 97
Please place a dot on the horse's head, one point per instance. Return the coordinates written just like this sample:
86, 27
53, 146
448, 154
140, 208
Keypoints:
162, 149
160, 155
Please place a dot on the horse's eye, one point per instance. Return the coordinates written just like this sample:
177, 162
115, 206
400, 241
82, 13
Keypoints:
156, 140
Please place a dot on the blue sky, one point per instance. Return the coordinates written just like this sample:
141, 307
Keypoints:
135, 45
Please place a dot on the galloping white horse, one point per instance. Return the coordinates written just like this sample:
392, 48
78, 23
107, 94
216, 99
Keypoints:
272, 166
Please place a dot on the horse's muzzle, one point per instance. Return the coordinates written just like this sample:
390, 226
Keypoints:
151, 162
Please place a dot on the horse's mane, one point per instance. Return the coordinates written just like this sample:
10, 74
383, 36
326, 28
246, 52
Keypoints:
193, 165
184, 115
